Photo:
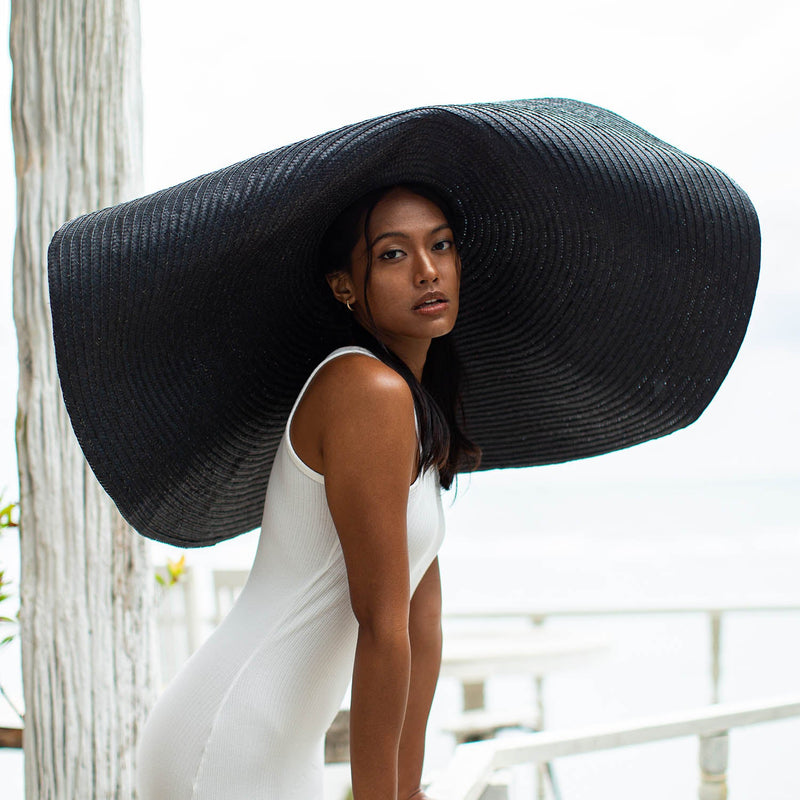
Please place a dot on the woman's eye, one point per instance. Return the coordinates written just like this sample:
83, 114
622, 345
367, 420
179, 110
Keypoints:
391, 255
445, 244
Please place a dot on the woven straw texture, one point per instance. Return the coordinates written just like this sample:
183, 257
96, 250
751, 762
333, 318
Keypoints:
607, 284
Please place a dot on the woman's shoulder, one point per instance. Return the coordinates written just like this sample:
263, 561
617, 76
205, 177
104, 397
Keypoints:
354, 404
356, 378
367, 408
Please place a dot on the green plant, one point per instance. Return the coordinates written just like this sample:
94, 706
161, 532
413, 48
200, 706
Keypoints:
174, 571
4, 595
7, 520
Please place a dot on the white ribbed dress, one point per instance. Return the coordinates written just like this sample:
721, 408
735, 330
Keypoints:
245, 719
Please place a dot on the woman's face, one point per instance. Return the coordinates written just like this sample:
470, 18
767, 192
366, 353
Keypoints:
415, 275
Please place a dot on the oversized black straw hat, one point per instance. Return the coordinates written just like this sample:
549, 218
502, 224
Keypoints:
607, 283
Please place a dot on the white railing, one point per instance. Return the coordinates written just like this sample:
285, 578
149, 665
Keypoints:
714, 615
538, 616
470, 771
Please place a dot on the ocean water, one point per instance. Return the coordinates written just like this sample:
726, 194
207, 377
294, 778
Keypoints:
555, 544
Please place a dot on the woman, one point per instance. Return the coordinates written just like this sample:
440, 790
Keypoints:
352, 467
609, 285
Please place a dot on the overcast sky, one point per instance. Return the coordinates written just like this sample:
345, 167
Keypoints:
224, 81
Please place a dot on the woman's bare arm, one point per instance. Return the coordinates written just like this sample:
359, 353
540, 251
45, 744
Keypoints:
425, 633
368, 447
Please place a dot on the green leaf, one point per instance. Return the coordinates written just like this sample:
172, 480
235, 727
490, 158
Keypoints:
5, 516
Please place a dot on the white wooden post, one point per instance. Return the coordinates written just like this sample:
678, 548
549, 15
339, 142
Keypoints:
86, 587
713, 767
497, 788
473, 697
541, 769
716, 647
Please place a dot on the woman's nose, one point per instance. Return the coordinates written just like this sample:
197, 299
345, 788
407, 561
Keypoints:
426, 270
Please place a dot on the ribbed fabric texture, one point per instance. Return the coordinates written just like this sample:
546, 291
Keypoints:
246, 717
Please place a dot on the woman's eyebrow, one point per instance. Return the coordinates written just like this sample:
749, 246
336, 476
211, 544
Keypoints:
443, 226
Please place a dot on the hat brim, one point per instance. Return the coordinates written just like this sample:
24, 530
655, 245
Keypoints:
607, 284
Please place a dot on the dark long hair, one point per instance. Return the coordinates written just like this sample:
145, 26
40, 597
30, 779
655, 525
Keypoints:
437, 397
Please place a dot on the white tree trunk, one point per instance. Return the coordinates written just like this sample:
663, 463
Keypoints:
86, 585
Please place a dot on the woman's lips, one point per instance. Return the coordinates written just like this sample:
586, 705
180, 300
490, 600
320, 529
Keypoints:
431, 307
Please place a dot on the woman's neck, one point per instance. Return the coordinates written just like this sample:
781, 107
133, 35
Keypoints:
412, 352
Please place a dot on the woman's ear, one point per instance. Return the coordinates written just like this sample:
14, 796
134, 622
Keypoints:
342, 286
